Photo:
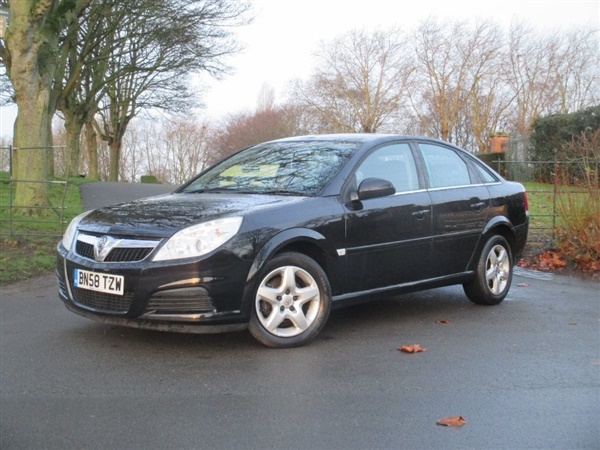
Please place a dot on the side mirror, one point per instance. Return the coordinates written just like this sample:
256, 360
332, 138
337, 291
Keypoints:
374, 188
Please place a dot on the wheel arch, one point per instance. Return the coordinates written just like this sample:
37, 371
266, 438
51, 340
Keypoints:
301, 240
501, 226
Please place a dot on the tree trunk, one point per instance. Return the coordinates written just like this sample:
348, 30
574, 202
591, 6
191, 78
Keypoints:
91, 141
29, 54
31, 146
50, 148
444, 133
73, 126
31, 72
114, 146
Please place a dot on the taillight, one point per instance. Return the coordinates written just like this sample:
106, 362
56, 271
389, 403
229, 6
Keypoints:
526, 202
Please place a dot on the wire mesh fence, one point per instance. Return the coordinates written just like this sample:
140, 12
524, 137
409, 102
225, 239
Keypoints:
545, 182
14, 219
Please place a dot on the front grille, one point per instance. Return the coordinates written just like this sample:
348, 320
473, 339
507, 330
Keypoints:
84, 249
103, 302
128, 254
181, 301
126, 250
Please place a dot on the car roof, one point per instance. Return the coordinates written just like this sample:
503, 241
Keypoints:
363, 138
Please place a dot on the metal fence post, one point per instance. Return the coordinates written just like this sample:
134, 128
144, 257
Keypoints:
10, 190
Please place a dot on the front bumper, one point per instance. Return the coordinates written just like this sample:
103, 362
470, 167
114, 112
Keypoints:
158, 325
191, 297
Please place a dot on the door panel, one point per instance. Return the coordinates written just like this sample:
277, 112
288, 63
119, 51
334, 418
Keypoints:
389, 241
389, 238
459, 206
459, 216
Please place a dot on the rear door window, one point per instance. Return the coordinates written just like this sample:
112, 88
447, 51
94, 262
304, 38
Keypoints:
444, 166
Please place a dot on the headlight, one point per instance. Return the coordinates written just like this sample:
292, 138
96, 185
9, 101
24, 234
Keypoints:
69, 235
199, 239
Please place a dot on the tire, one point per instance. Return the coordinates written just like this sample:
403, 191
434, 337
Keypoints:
291, 301
493, 273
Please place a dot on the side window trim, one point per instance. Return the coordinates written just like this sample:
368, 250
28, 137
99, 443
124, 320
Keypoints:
476, 166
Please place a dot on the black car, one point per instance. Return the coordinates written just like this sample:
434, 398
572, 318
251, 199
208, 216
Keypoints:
272, 237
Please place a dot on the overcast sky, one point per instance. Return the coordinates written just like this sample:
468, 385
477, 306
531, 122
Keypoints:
286, 33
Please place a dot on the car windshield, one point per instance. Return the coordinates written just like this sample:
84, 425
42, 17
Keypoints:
294, 168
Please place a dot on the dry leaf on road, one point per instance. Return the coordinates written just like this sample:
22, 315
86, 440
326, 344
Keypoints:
457, 421
414, 348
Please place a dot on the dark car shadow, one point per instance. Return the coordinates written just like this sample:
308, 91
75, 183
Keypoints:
117, 336
384, 314
385, 310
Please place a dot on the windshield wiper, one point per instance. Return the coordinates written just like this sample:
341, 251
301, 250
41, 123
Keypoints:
285, 192
211, 190
220, 190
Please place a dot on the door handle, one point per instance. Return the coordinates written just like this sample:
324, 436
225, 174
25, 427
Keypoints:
420, 215
477, 207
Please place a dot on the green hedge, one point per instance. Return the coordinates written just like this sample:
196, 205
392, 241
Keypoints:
550, 135
149, 179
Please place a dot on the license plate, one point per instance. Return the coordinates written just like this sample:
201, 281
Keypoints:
99, 282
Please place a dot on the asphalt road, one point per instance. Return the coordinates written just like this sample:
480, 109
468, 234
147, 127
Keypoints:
524, 374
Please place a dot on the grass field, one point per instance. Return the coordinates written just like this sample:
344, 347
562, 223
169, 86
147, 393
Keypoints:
542, 209
27, 245
544, 206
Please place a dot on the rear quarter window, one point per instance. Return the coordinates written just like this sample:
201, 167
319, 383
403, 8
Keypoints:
485, 175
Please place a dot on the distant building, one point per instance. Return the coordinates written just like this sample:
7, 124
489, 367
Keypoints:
498, 142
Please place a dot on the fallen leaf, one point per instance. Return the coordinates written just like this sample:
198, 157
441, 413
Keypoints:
457, 421
444, 321
550, 260
414, 348
523, 284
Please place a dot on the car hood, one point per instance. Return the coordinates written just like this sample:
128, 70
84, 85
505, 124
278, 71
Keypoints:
164, 215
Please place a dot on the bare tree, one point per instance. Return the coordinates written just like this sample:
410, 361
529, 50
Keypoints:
173, 149
454, 61
81, 81
184, 150
487, 110
266, 98
133, 160
268, 122
555, 72
577, 74
28, 53
360, 83
532, 59
4, 154
6, 90
164, 45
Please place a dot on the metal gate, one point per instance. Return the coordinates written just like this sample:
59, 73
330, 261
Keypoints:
14, 225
